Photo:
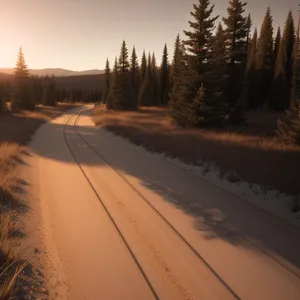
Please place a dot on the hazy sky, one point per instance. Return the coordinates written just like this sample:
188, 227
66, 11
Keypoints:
81, 34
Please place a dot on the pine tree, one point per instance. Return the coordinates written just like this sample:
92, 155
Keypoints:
219, 47
236, 32
251, 63
198, 71
218, 74
277, 43
280, 90
288, 129
154, 80
289, 40
123, 59
123, 96
200, 35
283, 78
146, 95
143, 69
251, 73
107, 82
113, 91
208, 109
183, 92
164, 77
134, 69
249, 24
177, 73
177, 46
265, 59
22, 96
175, 63
191, 105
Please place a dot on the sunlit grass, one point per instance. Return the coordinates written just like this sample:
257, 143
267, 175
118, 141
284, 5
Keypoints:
252, 151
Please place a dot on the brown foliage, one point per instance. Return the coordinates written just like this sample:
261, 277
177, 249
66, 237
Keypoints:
16, 130
251, 150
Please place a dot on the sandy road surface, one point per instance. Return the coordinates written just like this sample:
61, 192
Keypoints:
124, 224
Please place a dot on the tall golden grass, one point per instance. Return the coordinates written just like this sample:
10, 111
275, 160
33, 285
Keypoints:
16, 130
251, 150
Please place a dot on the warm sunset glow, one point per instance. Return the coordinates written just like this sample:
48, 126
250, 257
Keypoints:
81, 34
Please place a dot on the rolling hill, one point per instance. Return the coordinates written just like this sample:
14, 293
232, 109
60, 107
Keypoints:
55, 72
68, 82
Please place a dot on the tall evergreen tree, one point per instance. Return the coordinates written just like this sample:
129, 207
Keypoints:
114, 87
107, 81
251, 63
134, 69
143, 68
277, 44
177, 46
219, 47
236, 44
218, 73
164, 77
249, 24
200, 36
184, 90
124, 95
289, 40
153, 62
236, 30
123, 59
196, 97
154, 80
178, 67
251, 73
283, 78
265, 59
22, 89
146, 95
175, 63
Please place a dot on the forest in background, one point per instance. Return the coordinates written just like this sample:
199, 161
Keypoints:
222, 67
25, 91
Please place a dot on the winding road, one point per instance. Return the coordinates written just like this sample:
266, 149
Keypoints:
126, 224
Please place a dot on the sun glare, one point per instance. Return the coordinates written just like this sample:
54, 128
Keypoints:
8, 57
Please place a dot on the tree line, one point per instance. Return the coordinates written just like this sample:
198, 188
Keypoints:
222, 67
25, 91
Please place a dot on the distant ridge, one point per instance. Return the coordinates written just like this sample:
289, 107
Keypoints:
55, 72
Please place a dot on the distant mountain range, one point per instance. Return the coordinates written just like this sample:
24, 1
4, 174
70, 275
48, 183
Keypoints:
55, 72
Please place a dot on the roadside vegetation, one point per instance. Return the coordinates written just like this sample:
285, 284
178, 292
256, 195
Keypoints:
253, 155
229, 96
24, 106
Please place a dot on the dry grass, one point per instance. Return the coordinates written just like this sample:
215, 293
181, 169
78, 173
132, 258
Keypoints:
10, 267
252, 150
16, 130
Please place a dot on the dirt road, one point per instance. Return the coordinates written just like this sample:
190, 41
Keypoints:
121, 223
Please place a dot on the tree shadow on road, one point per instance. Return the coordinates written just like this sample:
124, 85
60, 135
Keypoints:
217, 215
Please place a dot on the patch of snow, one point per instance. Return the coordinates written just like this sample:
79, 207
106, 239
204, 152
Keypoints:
270, 200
